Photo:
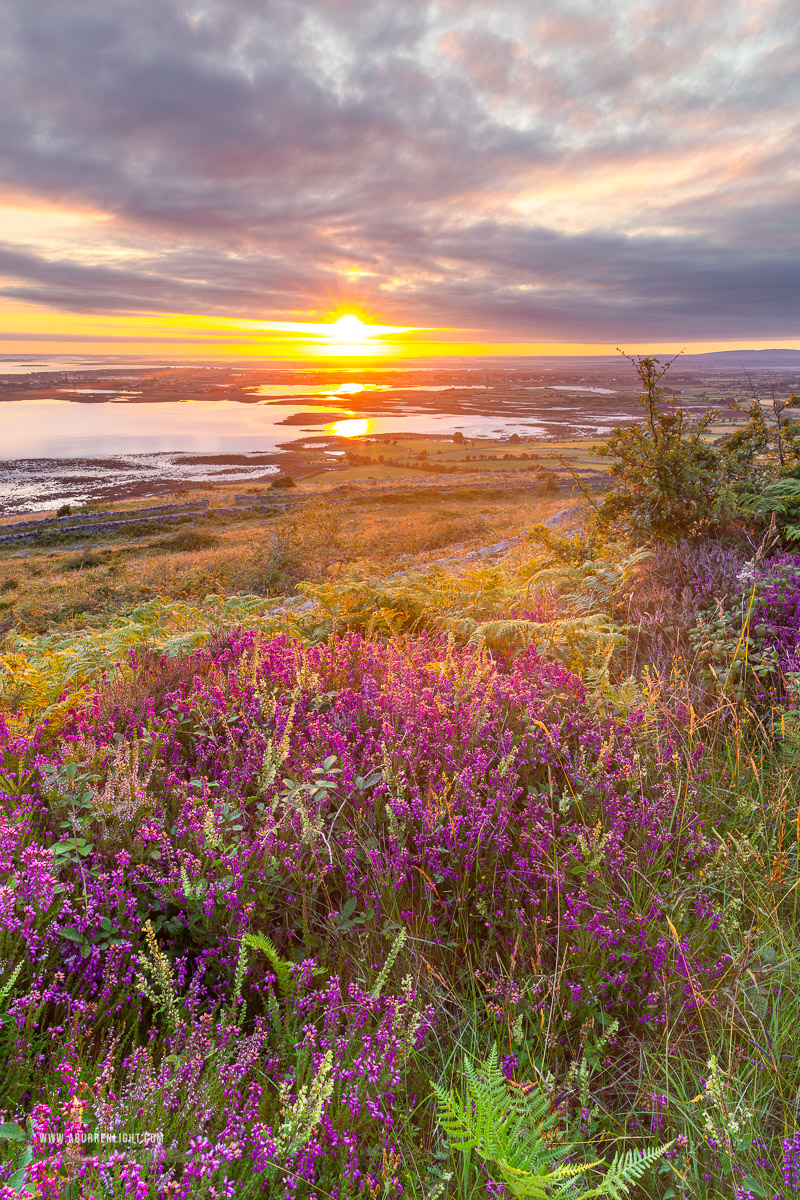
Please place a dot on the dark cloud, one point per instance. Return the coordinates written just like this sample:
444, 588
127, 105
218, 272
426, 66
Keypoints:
249, 152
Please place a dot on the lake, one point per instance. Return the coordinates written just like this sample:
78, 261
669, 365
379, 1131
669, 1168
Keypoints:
31, 429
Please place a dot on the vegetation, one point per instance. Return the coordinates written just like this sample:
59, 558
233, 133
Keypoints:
361, 875
668, 482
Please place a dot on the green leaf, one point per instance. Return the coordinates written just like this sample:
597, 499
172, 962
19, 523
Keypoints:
72, 934
12, 1133
17, 1181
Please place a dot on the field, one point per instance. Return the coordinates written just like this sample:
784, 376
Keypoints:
326, 531
399, 834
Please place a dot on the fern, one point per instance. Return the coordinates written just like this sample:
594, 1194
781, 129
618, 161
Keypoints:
482, 604
281, 967
517, 1135
581, 643
626, 1170
780, 496
48, 675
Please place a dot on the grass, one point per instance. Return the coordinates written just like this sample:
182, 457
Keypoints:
326, 537
377, 471
388, 458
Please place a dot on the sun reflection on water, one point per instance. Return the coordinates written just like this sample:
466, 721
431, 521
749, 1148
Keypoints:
355, 427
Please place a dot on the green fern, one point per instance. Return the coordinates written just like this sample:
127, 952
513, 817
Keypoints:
283, 974
481, 604
511, 1133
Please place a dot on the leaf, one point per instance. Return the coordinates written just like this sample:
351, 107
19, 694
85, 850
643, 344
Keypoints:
283, 974
17, 1181
511, 1133
72, 934
12, 1133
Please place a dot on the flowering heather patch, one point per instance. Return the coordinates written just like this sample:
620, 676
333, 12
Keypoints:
753, 643
775, 619
425, 783
374, 813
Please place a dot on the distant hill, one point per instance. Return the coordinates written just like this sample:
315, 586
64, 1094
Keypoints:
759, 360
756, 360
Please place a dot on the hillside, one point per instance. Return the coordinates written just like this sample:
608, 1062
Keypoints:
419, 871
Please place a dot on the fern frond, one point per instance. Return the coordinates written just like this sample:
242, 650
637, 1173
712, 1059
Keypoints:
628, 1168
509, 1132
281, 967
529, 1185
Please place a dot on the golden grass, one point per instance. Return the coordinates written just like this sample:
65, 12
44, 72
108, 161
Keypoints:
373, 471
416, 456
323, 538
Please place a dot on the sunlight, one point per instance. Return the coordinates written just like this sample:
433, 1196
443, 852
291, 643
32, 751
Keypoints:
349, 336
356, 427
349, 328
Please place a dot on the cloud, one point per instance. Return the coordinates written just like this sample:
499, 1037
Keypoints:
569, 172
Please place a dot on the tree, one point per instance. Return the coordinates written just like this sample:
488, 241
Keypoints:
665, 481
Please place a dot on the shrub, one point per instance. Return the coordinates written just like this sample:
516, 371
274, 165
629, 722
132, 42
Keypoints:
664, 476
187, 540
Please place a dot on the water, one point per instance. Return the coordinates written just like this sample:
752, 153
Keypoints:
55, 451
83, 443
54, 428
35, 364
569, 387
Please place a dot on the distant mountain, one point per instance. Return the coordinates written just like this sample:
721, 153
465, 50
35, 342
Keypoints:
759, 360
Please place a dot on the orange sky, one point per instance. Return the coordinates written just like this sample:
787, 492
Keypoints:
30, 329
200, 180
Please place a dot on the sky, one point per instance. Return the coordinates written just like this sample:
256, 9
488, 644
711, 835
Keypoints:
202, 177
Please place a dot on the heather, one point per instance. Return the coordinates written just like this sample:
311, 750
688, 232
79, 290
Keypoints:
412, 884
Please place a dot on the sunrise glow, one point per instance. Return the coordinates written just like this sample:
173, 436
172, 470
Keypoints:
331, 240
355, 427
349, 328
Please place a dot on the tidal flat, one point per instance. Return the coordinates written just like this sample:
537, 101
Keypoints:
103, 433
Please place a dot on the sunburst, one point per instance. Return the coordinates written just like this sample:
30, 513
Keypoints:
349, 328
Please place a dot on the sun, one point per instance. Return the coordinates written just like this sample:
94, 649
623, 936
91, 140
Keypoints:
347, 335
349, 328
